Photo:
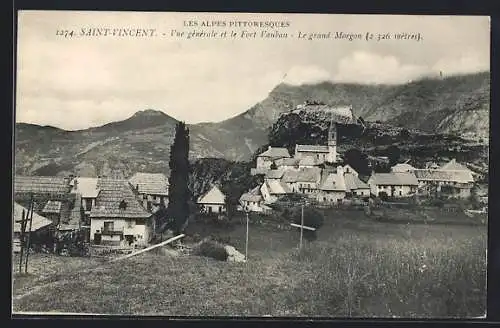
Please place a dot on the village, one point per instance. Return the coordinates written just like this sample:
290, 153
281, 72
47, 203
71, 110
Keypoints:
110, 212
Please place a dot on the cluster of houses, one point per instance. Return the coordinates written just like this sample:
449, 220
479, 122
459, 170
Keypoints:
115, 212
122, 211
111, 211
316, 172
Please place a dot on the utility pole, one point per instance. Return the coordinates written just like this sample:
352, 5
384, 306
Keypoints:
246, 244
301, 226
21, 239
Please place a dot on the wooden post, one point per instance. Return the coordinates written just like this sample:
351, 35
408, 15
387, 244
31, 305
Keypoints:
28, 244
301, 227
246, 244
21, 239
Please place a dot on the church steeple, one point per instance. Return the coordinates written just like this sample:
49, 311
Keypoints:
332, 141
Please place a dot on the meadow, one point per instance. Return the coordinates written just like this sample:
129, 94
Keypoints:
356, 267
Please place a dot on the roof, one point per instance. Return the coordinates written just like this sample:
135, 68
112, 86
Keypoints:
333, 182
441, 175
352, 182
309, 174
87, 187
252, 196
287, 161
37, 223
307, 161
402, 167
112, 193
312, 148
349, 169
394, 179
275, 153
275, 174
52, 206
453, 166
277, 187
290, 176
213, 196
150, 183
41, 184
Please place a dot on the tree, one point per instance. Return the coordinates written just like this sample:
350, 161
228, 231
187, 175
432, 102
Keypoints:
179, 193
358, 161
393, 153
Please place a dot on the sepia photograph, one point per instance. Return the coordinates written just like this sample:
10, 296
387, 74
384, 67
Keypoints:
204, 164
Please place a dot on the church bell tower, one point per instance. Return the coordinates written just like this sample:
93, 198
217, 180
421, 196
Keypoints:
332, 142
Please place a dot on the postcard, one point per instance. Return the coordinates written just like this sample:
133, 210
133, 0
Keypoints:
249, 164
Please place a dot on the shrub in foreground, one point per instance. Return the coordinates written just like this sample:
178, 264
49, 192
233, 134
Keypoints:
210, 248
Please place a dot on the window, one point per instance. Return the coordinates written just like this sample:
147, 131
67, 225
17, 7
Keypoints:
109, 226
130, 224
400, 193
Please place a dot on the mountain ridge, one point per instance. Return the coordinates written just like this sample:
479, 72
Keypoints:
455, 105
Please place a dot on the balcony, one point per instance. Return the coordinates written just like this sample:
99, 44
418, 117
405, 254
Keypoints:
112, 231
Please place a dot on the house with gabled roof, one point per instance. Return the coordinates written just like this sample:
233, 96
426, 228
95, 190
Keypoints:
87, 190
51, 196
332, 189
253, 201
304, 181
394, 184
41, 185
272, 154
452, 179
118, 217
39, 225
213, 201
272, 190
152, 188
355, 187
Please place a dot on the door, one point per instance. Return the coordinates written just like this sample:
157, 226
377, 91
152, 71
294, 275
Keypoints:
97, 238
209, 209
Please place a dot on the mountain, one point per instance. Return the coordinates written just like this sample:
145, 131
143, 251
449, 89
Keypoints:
454, 105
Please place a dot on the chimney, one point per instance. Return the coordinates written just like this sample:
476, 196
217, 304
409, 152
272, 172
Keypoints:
340, 171
268, 147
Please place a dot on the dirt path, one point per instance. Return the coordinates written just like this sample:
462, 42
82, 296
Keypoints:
37, 288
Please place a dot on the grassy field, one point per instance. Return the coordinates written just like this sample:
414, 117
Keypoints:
355, 268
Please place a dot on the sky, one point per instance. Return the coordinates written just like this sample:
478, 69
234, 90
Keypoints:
79, 82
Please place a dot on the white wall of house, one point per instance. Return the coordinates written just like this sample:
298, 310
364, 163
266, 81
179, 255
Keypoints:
266, 194
263, 162
213, 208
324, 196
399, 191
361, 192
307, 187
133, 227
252, 206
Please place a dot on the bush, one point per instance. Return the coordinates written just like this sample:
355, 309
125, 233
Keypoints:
213, 249
312, 217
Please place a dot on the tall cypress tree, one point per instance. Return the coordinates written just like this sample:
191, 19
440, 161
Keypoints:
179, 194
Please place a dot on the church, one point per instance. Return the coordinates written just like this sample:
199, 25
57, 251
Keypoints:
320, 153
